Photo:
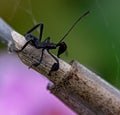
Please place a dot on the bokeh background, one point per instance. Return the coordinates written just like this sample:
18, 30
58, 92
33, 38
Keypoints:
94, 42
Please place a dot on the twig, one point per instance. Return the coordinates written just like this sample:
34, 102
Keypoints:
75, 85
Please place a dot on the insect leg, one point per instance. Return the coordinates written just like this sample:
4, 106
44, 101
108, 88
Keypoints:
62, 48
41, 31
38, 63
34, 28
47, 40
55, 66
24, 45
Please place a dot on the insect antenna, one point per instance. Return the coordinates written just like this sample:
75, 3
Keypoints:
73, 26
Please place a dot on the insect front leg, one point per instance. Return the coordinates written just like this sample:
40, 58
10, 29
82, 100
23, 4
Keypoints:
25, 45
34, 28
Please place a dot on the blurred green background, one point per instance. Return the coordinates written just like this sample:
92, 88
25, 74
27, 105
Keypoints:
94, 42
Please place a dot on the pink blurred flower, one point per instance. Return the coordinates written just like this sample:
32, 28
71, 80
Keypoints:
23, 91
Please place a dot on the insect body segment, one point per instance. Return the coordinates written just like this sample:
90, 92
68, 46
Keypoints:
47, 44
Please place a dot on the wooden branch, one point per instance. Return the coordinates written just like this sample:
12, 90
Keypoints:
76, 86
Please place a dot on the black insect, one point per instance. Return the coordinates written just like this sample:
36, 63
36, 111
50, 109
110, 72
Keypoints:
47, 45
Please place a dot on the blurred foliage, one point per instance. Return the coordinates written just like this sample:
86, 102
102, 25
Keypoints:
94, 42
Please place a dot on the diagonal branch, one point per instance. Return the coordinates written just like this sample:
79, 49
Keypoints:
76, 86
